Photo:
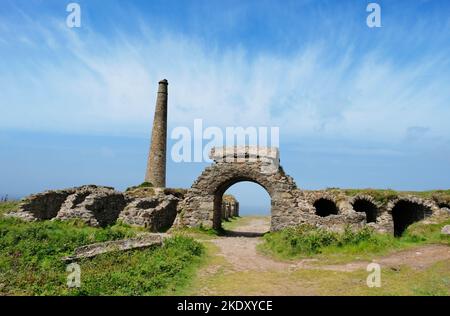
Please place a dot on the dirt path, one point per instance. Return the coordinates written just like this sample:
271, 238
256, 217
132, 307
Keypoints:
240, 251
237, 268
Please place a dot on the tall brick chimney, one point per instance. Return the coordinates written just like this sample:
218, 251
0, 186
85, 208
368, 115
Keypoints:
156, 163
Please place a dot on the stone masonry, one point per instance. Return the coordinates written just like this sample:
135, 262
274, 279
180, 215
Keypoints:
156, 163
101, 206
155, 213
331, 209
94, 205
202, 203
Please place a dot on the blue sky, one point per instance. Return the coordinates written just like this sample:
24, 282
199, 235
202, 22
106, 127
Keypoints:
356, 106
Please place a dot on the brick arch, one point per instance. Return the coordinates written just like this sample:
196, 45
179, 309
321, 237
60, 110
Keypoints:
202, 203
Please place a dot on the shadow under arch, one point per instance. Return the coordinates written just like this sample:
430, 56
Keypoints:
325, 207
366, 206
405, 213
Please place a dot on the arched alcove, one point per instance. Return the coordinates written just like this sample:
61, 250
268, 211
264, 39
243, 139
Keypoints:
325, 207
368, 207
405, 213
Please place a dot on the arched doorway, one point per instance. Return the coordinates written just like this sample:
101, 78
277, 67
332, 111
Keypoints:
254, 204
202, 203
218, 197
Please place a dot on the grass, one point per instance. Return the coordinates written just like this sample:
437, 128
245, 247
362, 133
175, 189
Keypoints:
442, 197
218, 277
30, 262
6, 207
307, 241
140, 186
199, 233
234, 222
432, 281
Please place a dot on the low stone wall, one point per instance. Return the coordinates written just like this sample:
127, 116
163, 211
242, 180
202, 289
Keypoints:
96, 206
157, 209
102, 206
40, 206
154, 213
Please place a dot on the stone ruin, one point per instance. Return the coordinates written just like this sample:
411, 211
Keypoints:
291, 206
100, 206
205, 205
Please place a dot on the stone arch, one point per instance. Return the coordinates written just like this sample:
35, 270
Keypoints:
325, 207
406, 211
202, 203
366, 204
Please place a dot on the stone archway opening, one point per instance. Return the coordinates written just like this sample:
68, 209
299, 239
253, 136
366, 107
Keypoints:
218, 215
253, 208
325, 207
368, 207
201, 206
406, 213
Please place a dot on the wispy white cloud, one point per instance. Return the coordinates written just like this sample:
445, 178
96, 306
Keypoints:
98, 84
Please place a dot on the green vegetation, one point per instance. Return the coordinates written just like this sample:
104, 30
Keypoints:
6, 207
141, 191
142, 185
200, 233
441, 197
234, 222
207, 233
221, 276
306, 240
433, 280
30, 261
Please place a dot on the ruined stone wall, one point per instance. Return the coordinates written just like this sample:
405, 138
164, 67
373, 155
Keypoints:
331, 209
102, 206
154, 213
45, 205
371, 212
94, 205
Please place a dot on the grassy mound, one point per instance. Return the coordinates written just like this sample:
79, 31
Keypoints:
30, 262
306, 240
